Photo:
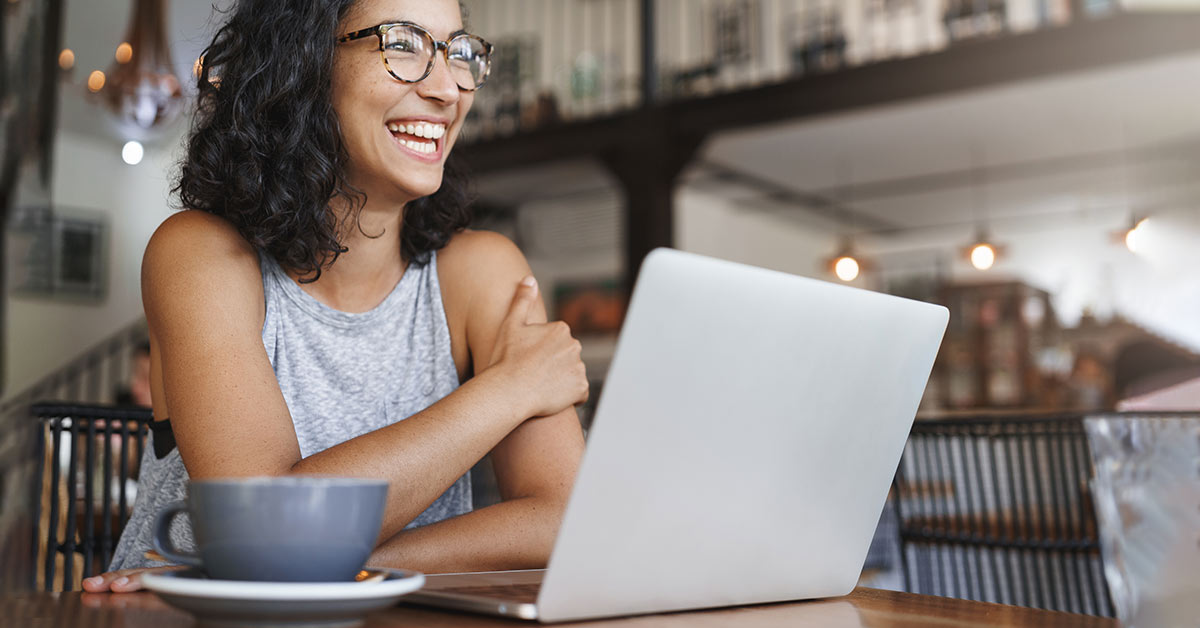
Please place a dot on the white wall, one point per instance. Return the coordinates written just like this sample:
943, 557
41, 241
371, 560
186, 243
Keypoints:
42, 334
717, 227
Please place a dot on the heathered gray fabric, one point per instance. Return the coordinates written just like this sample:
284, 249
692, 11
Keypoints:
341, 374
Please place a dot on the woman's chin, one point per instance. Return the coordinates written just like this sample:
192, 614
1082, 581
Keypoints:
425, 188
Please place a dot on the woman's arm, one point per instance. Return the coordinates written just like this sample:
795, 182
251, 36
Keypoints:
204, 304
535, 464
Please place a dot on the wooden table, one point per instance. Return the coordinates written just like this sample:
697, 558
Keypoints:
864, 608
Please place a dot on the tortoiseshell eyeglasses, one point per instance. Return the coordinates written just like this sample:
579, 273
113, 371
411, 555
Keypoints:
408, 53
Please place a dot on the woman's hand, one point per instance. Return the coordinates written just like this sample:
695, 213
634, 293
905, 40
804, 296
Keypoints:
123, 581
543, 358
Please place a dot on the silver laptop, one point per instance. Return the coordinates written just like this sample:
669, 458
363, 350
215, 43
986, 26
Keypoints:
741, 453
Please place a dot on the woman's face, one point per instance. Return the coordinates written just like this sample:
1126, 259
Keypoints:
376, 111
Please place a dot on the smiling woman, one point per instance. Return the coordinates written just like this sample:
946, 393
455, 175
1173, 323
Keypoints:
277, 89
321, 307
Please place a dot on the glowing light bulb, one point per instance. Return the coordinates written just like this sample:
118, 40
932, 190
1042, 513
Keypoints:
66, 59
96, 81
983, 256
846, 268
1135, 239
132, 152
124, 52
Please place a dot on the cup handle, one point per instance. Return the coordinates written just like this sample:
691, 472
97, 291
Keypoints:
162, 536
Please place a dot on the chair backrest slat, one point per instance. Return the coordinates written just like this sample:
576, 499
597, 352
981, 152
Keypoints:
106, 496
999, 509
993, 509
78, 536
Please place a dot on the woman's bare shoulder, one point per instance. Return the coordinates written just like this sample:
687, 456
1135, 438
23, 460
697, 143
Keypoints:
194, 254
200, 233
477, 263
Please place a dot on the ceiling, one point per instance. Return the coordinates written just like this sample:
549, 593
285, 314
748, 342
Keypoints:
1124, 138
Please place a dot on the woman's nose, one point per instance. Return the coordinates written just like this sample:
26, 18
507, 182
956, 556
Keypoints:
440, 84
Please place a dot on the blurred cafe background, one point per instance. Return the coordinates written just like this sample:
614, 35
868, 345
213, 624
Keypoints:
1034, 165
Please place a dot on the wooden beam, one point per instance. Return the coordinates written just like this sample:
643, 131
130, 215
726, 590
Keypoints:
557, 142
825, 205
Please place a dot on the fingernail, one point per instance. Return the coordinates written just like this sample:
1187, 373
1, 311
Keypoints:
120, 582
529, 281
95, 580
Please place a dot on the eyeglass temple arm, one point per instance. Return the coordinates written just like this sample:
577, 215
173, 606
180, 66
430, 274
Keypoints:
366, 32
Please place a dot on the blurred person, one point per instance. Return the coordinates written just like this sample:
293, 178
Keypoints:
1089, 385
321, 308
136, 391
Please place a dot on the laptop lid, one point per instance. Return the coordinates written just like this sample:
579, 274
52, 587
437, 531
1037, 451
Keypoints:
743, 448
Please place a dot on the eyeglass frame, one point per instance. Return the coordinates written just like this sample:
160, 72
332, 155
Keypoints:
379, 30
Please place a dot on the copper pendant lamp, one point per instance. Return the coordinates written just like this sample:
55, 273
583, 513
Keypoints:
143, 90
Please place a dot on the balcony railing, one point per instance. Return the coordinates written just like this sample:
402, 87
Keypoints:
568, 60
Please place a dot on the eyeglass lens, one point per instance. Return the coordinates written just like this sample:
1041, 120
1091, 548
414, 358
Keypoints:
409, 53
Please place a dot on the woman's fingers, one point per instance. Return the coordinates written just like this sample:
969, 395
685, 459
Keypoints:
117, 581
123, 581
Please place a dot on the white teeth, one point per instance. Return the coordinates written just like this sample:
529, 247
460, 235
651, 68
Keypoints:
420, 147
423, 130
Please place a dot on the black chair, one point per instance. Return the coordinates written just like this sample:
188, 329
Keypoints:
90, 453
998, 509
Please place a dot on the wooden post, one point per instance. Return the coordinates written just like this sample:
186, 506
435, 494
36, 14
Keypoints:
647, 167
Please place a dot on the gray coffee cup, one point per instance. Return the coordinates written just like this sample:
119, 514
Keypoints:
278, 529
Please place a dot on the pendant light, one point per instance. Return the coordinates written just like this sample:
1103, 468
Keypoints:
1133, 236
142, 88
846, 264
982, 253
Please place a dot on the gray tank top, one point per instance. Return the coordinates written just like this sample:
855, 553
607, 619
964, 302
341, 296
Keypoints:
341, 374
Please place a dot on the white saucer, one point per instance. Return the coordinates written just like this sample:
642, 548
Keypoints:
235, 602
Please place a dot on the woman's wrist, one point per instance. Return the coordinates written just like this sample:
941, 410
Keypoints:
510, 395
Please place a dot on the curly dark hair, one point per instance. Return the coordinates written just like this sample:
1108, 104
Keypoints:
265, 150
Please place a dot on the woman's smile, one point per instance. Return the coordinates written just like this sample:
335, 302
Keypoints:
419, 137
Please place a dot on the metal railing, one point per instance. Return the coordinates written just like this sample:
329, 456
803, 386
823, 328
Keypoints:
562, 60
